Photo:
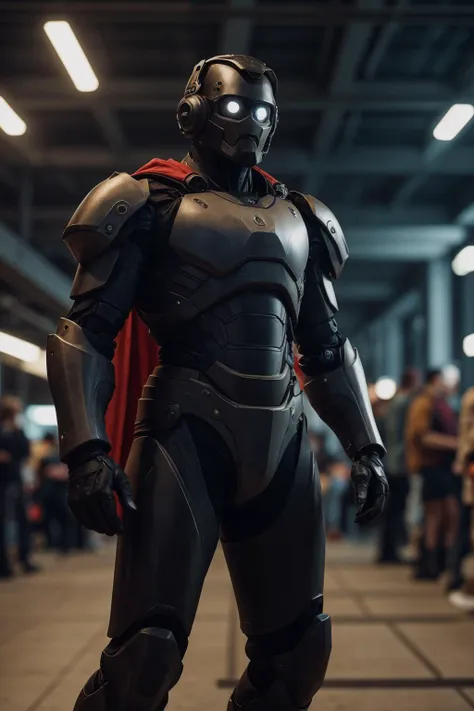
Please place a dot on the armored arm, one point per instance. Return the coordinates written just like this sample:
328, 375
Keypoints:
108, 236
334, 378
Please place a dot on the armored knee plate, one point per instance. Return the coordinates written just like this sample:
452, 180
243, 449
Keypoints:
291, 679
136, 675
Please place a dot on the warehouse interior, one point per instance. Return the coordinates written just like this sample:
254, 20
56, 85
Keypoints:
363, 86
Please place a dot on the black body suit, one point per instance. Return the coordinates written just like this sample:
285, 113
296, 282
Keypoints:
228, 271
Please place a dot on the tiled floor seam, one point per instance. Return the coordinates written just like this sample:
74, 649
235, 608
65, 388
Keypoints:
465, 697
359, 601
62, 673
435, 683
415, 650
391, 619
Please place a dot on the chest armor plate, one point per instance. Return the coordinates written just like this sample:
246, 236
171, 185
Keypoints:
221, 245
220, 232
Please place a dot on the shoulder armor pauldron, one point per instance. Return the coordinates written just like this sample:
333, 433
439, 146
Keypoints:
316, 213
102, 214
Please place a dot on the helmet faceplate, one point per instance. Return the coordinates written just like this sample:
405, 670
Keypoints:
241, 114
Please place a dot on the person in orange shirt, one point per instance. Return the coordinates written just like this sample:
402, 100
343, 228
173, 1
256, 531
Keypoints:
431, 439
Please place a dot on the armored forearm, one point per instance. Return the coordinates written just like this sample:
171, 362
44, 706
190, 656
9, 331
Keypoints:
82, 383
341, 399
108, 235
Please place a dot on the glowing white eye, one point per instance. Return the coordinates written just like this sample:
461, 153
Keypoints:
261, 113
233, 107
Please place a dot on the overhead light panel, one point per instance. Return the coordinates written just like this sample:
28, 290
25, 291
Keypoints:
453, 122
468, 345
463, 262
385, 388
44, 415
72, 55
10, 122
32, 358
37, 367
18, 348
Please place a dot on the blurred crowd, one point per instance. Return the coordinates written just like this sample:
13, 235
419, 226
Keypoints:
34, 514
428, 431
429, 435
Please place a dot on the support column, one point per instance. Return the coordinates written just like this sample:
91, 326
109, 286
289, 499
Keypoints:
416, 332
439, 312
379, 345
22, 385
25, 206
385, 337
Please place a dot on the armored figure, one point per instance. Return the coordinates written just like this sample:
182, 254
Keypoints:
229, 271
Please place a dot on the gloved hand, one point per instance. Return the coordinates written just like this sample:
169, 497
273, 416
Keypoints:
91, 494
371, 487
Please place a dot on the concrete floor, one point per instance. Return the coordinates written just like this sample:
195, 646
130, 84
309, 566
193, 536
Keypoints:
397, 644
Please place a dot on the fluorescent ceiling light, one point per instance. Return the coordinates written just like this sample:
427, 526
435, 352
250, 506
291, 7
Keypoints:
10, 122
44, 415
385, 388
453, 121
71, 55
468, 345
17, 348
37, 367
463, 262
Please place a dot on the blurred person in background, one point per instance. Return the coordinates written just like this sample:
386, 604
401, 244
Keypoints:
42, 448
339, 474
447, 413
379, 408
317, 441
333, 486
39, 449
431, 442
59, 523
392, 528
14, 451
463, 599
373, 397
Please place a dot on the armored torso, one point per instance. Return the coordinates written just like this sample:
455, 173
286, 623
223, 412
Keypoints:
227, 288
218, 278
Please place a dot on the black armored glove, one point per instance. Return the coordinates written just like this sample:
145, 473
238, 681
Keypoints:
371, 487
91, 494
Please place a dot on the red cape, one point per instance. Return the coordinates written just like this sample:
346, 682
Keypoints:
298, 371
136, 353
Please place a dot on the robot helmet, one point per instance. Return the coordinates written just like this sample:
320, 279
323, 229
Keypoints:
229, 106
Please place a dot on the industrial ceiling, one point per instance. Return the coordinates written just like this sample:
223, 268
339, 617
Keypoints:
362, 85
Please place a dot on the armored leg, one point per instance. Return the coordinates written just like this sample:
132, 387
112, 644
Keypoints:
285, 681
162, 559
274, 547
135, 674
